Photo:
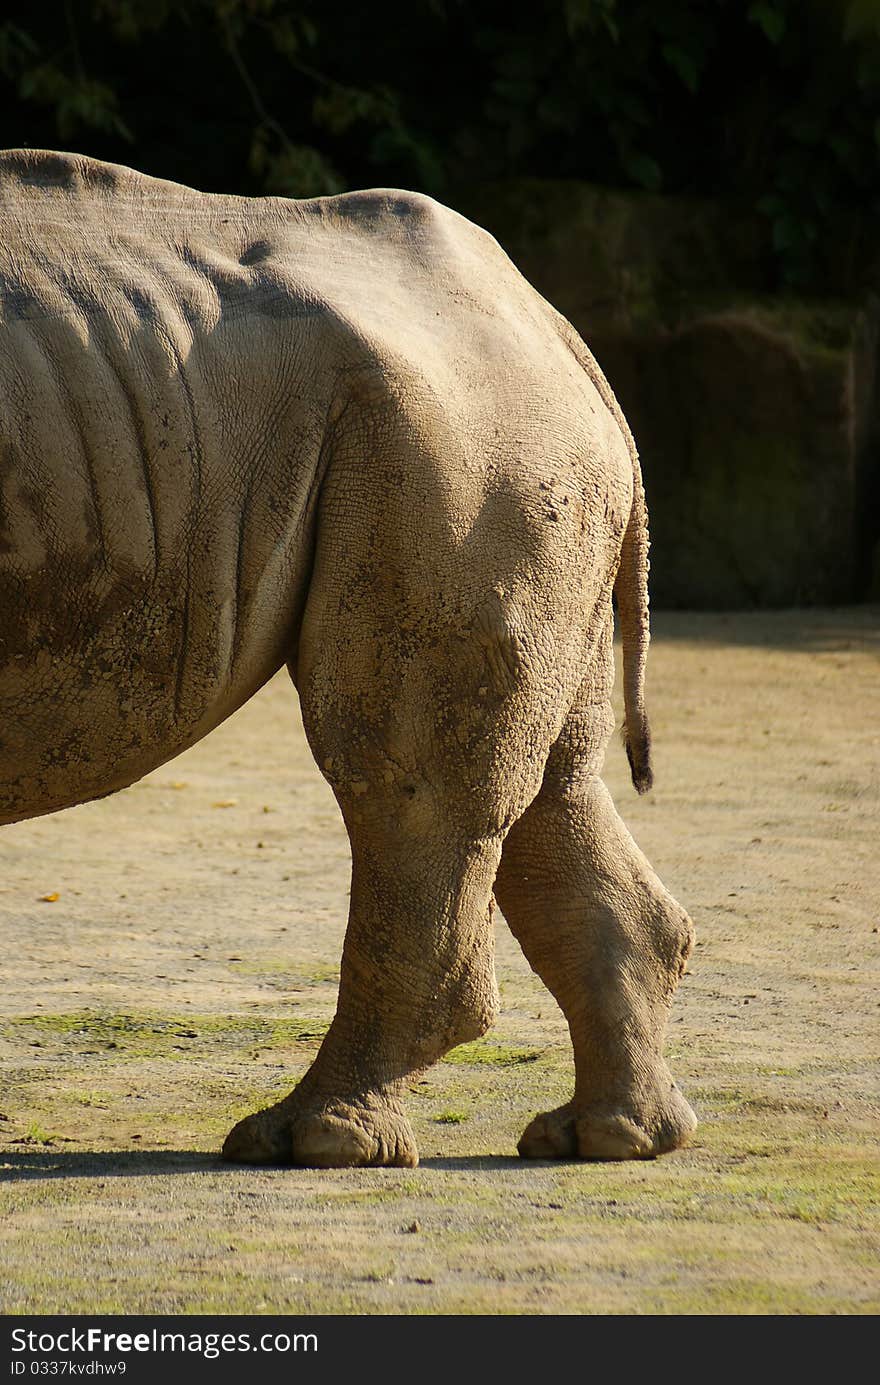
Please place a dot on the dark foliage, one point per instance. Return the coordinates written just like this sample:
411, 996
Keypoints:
774, 105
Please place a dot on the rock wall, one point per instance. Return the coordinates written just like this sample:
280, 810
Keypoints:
756, 415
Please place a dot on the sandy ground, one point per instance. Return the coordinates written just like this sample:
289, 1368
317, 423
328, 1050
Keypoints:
170, 961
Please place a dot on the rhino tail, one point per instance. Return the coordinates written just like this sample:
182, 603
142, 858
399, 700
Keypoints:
631, 591
631, 582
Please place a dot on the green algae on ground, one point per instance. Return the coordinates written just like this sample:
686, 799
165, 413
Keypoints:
37, 1135
485, 1052
146, 1035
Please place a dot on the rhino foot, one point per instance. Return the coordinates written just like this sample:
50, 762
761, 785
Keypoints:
335, 1135
628, 1131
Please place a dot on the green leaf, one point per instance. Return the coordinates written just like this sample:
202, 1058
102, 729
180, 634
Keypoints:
684, 64
644, 171
770, 19
16, 46
298, 170
590, 15
337, 108
862, 17
78, 102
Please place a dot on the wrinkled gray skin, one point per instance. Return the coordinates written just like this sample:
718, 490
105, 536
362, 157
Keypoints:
345, 435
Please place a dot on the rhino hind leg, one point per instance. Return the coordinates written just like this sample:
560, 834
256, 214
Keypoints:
430, 762
610, 943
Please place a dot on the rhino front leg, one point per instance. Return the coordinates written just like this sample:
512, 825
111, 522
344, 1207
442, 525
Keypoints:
417, 977
611, 943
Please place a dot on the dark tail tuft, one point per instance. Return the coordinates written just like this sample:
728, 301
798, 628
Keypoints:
631, 589
638, 752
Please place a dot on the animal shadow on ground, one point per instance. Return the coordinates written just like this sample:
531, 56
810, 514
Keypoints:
158, 1163
117, 1164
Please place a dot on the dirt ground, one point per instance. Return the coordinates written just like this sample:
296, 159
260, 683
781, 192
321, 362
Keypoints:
169, 963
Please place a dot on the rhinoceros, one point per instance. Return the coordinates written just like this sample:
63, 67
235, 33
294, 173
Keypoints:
346, 436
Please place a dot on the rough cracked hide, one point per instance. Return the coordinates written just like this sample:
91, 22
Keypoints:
347, 436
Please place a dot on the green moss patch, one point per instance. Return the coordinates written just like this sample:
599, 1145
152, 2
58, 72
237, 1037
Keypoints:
486, 1053
172, 1037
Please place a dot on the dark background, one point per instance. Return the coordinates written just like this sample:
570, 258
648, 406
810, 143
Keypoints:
696, 183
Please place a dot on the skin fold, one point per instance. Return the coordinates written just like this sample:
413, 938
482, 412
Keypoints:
347, 436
